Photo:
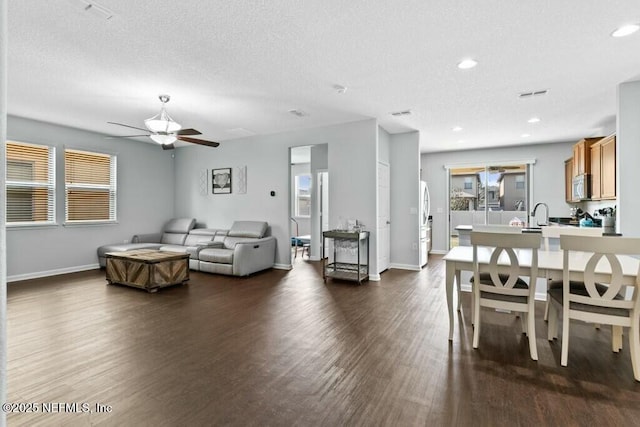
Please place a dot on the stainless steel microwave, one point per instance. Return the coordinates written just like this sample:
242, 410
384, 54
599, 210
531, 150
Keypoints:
580, 187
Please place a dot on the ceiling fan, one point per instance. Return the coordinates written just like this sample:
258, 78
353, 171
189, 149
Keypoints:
163, 130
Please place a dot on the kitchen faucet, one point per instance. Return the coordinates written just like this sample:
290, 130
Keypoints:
546, 217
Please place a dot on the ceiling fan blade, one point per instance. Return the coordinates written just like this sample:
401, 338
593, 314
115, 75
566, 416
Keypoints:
125, 136
127, 126
188, 132
168, 146
199, 141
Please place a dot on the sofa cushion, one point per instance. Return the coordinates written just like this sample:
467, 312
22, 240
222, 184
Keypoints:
217, 255
174, 248
199, 236
179, 225
254, 229
173, 238
230, 242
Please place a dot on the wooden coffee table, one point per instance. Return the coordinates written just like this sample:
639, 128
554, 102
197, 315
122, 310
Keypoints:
147, 269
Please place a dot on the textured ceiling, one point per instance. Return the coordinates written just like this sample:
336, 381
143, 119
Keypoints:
237, 67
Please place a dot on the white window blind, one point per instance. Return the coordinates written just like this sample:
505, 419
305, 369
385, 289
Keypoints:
90, 186
30, 183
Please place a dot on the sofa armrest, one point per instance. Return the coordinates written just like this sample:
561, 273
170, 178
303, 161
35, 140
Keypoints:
254, 255
211, 244
147, 238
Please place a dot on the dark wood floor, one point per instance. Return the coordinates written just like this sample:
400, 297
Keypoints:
283, 348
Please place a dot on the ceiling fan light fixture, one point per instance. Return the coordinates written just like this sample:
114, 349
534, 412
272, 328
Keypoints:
163, 139
162, 123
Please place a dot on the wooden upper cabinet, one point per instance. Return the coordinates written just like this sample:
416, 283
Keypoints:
595, 171
603, 169
608, 167
568, 180
582, 156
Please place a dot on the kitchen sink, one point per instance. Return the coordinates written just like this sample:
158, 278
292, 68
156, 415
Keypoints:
532, 230
561, 219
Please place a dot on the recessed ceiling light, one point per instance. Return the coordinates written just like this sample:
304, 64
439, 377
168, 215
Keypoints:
401, 113
456, 129
626, 30
525, 135
533, 120
525, 95
467, 63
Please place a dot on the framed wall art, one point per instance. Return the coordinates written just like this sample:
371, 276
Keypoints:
221, 181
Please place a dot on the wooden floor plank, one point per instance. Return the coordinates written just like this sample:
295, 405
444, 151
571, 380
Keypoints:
284, 348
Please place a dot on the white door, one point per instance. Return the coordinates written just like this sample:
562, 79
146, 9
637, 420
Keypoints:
384, 217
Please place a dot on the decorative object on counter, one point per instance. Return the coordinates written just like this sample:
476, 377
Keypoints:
516, 222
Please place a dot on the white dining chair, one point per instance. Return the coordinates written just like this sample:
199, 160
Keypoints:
597, 298
488, 228
498, 284
496, 228
556, 232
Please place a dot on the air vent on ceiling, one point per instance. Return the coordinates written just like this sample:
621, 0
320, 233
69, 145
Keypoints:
525, 95
95, 9
401, 113
298, 113
240, 132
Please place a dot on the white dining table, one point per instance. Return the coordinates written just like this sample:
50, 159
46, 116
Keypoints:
460, 259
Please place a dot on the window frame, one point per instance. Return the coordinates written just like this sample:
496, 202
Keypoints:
298, 196
49, 185
112, 188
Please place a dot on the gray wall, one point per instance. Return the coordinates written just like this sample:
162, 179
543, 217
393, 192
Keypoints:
352, 183
145, 201
628, 158
548, 178
405, 200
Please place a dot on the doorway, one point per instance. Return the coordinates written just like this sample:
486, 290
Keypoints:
488, 194
309, 200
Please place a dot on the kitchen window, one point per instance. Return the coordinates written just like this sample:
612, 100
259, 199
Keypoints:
30, 184
90, 187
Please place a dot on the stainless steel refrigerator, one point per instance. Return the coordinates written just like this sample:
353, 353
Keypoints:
425, 223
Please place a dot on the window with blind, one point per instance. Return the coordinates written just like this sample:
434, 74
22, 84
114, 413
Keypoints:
30, 184
90, 186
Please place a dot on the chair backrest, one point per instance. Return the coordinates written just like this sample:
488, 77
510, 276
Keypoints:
497, 228
590, 267
556, 232
501, 266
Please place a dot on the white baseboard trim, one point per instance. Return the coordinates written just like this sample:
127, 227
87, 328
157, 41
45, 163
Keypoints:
374, 277
405, 267
283, 266
540, 296
56, 272
438, 252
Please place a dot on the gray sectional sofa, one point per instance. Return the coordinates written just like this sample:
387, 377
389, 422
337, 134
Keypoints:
242, 250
